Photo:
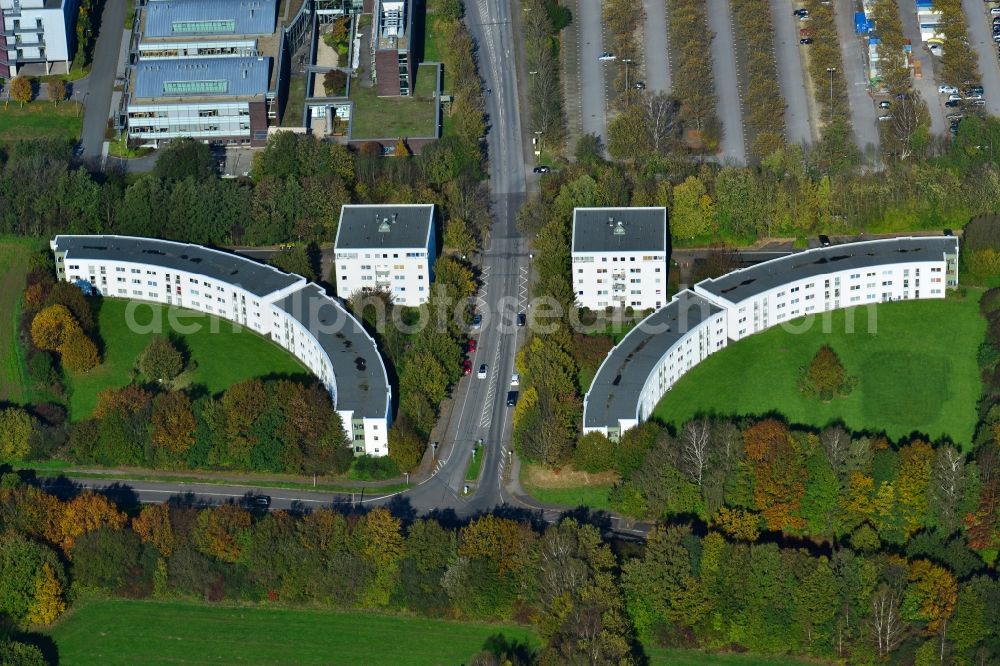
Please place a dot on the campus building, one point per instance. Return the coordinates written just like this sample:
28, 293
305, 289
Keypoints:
386, 247
204, 69
391, 64
283, 307
37, 32
620, 257
641, 368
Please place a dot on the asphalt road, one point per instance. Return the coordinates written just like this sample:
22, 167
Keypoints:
97, 103
981, 39
657, 50
863, 115
593, 100
791, 72
732, 148
926, 85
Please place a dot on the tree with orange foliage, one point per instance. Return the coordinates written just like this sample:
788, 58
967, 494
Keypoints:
86, 513
223, 532
78, 352
152, 525
505, 542
983, 525
779, 473
34, 296
173, 423
130, 398
243, 403
935, 592
52, 327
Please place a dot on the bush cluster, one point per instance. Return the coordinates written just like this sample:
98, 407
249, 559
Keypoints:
763, 103
694, 85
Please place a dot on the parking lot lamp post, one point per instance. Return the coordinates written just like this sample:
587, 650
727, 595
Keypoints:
626, 61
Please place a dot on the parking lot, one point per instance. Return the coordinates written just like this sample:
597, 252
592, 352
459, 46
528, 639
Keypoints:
799, 127
927, 84
980, 38
656, 69
732, 147
863, 116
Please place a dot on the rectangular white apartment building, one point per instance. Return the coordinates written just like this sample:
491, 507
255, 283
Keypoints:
391, 247
36, 31
620, 257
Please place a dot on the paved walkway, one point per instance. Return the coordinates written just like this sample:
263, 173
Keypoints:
97, 98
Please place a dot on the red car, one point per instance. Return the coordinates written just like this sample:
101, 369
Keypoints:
472, 346
466, 367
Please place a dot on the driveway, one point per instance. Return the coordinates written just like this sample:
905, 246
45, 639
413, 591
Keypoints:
856, 75
791, 73
981, 40
657, 51
592, 93
732, 147
926, 85
97, 99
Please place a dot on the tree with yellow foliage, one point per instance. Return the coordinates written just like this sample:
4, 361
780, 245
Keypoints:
86, 513
52, 327
223, 532
49, 603
153, 527
79, 353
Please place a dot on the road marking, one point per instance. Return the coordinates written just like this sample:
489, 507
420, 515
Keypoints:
486, 418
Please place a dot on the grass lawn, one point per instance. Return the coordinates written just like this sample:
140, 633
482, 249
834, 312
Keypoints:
916, 373
677, 657
13, 267
390, 117
223, 355
140, 632
296, 102
40, 120
567, 487
475, 464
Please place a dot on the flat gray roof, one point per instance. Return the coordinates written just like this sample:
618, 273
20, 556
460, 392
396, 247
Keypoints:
202, 18
749, 282
619, 229
370, 226
193, 78
257, 278
614, 393
364, 391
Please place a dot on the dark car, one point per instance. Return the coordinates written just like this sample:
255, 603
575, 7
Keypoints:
260, 501
541, 169
78, 150
640, 85
360, 363
801, 12
974, 89
949, 232
511, 398
471, 347
521, 319
806, 40
477, 320
824, 240
952, 103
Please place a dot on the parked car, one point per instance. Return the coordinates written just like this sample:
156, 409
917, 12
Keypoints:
542, 169
805, 32
887, 116
640, 85
471, 347
515, 379
952, 103
884, 104
607, 55
466, 367
804, 17
482, 371
954, 116
511, 398
979, 102
974, 89
824, 240
521, 319
947, 90
994, 10
954, 97
806, 40
477, 320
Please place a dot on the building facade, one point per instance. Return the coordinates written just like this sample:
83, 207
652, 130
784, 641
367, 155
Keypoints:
204, 69
386, 247
282, 307
640, 370
620, 257
37, 32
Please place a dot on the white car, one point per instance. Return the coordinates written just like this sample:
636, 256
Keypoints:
515, 379
607, 55
954, 97
482, 371
947, 90
994, 10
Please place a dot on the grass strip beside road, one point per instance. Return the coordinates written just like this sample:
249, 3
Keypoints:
475, 463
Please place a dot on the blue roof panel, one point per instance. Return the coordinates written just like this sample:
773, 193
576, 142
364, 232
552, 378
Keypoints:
205, 18
188, 78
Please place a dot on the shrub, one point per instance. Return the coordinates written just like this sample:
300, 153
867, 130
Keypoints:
161, 360
370, 468
594, 453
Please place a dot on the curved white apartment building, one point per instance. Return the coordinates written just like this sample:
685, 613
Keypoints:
284, 307
641, 368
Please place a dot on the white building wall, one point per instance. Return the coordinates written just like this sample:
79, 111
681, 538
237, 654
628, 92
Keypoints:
404, 272
193, 291
620, 279
44, 33
204, 121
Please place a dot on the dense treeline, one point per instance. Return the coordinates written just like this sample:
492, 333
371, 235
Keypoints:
294, 193
763, 103
959, 63
541, 22
908, 131
694, 84
589, 602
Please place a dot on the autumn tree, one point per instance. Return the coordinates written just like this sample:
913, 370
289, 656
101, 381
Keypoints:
48, 603
153, 527
86, 513
52, 327
825, 376
161, 360
23, 575
173, 423
222, 532
21, 90
406, 448
78, 352
779, 473
382, 547
17, 427
129, 398
57, 90
932, 594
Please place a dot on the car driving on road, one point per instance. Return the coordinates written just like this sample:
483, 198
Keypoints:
482, 371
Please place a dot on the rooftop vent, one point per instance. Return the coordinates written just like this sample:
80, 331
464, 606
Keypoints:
385, 223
